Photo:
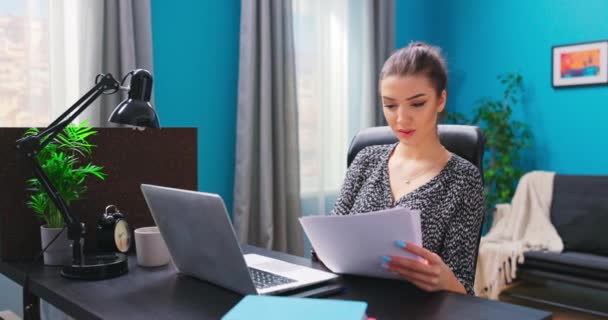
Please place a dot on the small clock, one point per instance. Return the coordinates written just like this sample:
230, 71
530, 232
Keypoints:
113, 231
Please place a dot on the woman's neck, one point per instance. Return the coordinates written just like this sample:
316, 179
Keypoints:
429, 149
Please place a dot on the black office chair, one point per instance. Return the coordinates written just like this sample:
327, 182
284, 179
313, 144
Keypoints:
465, 141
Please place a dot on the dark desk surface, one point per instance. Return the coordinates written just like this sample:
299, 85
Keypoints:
161, 293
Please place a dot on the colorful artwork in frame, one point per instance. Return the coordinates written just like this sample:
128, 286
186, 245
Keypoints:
580, 64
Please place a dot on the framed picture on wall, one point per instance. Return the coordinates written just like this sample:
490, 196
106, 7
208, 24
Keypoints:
580, 64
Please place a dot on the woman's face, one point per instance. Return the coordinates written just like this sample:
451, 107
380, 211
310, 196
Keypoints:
411, 106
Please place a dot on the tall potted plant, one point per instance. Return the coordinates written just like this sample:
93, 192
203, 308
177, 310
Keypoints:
62, 160
505, 138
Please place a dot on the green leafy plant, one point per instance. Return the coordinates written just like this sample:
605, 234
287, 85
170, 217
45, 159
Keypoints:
505, 138
61, 160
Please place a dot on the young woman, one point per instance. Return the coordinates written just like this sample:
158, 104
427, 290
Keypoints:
419, 173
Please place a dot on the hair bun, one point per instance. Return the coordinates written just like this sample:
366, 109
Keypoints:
418, 58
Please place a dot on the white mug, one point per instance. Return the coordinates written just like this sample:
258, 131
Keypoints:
151, 248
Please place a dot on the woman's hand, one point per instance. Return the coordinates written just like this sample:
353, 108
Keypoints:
430, 274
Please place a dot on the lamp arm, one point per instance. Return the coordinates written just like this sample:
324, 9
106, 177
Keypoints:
107, 83
30, 146
75, 228
53, 193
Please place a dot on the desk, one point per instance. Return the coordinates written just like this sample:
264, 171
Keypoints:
161, 293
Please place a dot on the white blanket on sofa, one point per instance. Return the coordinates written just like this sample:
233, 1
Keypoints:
518, 227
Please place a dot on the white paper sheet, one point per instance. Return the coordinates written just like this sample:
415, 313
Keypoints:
355, 244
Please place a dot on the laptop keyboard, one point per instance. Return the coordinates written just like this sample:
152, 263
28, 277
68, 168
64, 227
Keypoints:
262, 279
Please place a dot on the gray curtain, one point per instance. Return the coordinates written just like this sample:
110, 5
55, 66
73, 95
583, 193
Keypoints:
125, 37
267, 176
383, 33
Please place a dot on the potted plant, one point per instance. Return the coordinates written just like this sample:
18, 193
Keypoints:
62, 160
505, 138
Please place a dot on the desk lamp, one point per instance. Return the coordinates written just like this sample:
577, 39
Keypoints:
136, 110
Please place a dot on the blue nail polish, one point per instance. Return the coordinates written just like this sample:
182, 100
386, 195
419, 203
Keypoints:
386, 258
400, 244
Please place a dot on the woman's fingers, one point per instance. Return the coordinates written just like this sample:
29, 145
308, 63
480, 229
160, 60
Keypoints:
414, 265
417, 250
426, 274
413, 276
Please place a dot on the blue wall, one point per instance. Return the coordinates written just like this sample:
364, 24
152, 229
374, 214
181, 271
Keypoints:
196, 55
482, 39
413, 22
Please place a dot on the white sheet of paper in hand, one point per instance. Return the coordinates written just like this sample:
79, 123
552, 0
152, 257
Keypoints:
355, 244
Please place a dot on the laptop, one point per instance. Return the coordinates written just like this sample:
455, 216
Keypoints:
203, 244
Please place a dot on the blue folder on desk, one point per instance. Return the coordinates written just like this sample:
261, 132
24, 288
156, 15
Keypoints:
273, 308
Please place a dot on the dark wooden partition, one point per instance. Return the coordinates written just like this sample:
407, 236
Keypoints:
130, 157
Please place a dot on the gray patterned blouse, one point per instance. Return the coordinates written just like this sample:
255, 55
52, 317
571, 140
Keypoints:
451, 205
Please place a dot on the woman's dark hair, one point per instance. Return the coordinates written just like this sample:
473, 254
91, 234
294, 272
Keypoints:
418, 58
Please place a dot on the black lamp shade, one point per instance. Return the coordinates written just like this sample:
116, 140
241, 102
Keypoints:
136, 110
136, 113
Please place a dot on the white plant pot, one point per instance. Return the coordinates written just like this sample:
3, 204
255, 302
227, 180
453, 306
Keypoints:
60, 252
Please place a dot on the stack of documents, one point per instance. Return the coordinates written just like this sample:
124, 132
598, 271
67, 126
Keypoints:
275, 308
354, 244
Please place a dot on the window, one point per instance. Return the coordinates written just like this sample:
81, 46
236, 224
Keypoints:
335, 89
45, 52
24, 63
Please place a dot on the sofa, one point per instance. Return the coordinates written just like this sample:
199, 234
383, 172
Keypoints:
577, 278
579, 212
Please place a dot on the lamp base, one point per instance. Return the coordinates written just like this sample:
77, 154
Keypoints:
98, 267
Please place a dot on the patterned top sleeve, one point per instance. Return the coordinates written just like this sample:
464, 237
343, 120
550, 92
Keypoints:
460, 243
352, 183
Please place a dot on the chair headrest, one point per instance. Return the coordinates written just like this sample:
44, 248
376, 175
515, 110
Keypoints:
463, 140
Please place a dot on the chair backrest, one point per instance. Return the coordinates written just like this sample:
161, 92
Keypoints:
465, 141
